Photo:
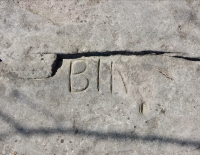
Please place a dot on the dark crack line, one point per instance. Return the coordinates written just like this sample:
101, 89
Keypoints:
61, 56
112, 53
187, 58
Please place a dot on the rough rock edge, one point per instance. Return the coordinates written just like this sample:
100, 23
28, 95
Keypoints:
25, 70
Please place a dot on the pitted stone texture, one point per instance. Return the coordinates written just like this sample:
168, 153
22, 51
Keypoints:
32, 66
116, 105
52, 26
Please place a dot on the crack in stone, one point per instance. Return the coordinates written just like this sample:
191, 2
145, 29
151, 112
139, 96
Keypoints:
188, 58
112, 53
60, 56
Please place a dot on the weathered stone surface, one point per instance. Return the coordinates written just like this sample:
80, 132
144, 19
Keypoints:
107, 25
52, 26
146, 102
103, 105
34, 65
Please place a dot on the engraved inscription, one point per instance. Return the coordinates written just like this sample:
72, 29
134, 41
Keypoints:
100, 75
111, 78
78, 80
123, 81
141, 108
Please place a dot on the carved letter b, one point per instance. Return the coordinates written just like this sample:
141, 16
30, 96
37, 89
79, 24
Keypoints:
78, 81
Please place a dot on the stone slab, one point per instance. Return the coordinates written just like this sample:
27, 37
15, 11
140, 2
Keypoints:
103, 105
63, 27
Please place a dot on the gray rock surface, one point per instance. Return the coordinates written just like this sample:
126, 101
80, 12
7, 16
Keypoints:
36, 66
103, 105
99, 77
51, 26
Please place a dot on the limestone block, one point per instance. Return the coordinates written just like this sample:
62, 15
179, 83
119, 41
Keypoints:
104, 105
63, 27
